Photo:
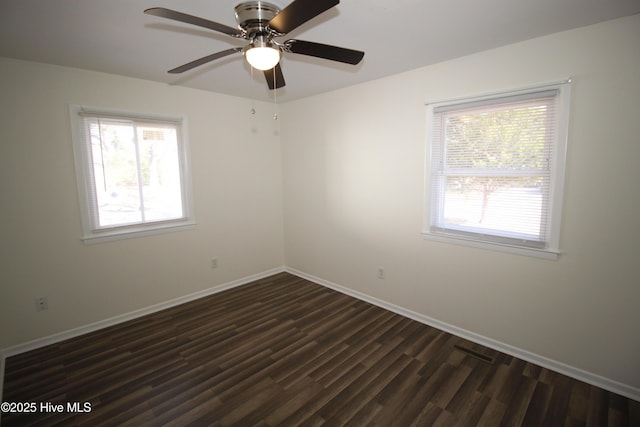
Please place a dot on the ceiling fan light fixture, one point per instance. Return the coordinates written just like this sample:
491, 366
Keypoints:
263, 57
261, 54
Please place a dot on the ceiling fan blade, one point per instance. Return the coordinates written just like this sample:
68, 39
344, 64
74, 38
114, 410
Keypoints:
325, 51
299, 12
194, 20
279, 77
201, 61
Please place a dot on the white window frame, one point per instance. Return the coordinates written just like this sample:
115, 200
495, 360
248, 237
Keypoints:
550, 249
92, 232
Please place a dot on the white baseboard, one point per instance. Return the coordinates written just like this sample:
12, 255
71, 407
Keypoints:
590, 378
553, 365
61, 336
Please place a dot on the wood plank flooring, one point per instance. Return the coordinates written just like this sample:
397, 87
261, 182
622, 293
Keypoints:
286, 352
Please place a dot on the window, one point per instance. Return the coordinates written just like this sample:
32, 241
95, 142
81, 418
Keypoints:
132, 172
495, 172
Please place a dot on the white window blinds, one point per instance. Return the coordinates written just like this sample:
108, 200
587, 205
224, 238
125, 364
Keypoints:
494, 168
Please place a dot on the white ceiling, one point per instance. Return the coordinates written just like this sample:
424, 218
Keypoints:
115, 36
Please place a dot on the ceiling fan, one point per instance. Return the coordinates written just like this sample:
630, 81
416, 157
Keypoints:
261, 23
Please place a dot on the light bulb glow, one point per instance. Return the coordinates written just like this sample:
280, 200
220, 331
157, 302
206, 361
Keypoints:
263, 57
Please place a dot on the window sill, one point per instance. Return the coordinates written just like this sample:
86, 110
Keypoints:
136, 231
498, 247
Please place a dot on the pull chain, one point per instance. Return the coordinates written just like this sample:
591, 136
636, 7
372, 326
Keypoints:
275, 95
253, 101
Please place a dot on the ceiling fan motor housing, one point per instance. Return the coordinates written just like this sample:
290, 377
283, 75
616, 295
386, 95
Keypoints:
253, 17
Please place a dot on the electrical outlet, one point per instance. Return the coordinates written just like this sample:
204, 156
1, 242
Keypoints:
214, 262
41, 303
380, 272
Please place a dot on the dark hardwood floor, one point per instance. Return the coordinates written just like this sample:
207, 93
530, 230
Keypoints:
286, 352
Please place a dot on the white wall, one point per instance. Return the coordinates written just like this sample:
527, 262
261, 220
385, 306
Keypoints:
354, 171
237, 185
352, 165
